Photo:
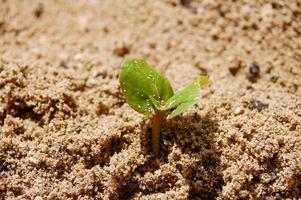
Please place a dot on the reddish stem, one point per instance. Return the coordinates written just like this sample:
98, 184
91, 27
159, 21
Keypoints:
158, 118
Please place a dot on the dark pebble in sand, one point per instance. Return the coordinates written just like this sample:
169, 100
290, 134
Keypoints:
274, 79
39, 10
253, 73
258, 105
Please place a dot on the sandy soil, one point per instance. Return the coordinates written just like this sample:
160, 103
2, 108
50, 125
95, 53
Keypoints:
67, 133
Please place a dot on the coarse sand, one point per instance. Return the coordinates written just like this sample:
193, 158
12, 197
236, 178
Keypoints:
67, 133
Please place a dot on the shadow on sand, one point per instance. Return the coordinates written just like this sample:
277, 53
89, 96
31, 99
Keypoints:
193, 135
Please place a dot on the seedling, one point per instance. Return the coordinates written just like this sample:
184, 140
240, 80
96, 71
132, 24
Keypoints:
150, 93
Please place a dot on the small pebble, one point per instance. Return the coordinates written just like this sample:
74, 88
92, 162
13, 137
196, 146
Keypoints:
238, 111
38, 11
253, 73
274, 79
63, 65
255, 104
234, 66
121, 51
234, 69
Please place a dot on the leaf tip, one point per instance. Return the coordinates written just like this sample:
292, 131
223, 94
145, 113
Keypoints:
203, 80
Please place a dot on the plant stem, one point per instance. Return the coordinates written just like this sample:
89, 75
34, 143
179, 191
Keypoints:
158, 118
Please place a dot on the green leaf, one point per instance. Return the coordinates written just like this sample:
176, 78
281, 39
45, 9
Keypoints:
185, 98
143, 86
180, 109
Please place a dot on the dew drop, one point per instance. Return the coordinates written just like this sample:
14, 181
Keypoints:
150, 77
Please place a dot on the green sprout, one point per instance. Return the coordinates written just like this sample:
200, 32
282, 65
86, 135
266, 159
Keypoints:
150, 93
